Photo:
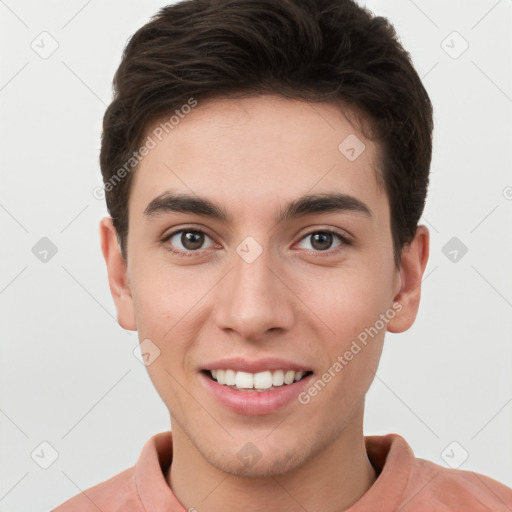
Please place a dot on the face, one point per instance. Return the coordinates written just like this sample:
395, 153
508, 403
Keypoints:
301, 288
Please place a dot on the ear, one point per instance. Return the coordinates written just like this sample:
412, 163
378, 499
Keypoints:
413, 262
117, 275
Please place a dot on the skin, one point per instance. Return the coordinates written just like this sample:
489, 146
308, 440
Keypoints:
291, 302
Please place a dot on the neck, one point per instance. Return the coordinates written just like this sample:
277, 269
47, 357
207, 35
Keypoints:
332, 480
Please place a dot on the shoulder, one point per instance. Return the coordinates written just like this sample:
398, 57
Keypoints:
117, 494
436, 488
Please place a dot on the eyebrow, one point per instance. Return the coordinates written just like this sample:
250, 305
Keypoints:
304, 205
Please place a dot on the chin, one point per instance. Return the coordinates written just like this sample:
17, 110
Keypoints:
249, 462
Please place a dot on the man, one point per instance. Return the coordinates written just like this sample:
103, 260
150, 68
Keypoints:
265, 167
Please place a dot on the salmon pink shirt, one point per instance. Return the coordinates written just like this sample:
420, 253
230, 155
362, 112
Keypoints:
404, 483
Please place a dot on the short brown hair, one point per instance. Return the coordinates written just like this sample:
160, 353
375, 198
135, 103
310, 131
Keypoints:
318, 50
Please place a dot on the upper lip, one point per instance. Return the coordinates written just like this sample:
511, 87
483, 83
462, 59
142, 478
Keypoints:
241, 364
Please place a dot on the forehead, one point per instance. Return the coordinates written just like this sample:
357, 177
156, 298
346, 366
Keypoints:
258, 151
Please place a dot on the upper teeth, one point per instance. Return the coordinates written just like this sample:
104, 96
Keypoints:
261, 380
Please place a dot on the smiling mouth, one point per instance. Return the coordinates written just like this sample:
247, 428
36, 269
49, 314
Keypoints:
255, 382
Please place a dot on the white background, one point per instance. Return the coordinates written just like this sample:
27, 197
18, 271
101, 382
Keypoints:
68, 373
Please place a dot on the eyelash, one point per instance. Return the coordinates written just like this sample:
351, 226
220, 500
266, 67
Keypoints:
186, 254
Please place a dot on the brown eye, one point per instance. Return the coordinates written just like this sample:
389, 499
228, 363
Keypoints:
192, 240
322, 241
186, 241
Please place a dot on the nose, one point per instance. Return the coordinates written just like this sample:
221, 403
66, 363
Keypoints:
255, 299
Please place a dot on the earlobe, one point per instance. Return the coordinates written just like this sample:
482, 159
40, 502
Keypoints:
413, 263
117, 275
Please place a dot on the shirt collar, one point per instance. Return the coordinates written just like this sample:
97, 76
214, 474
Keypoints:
392, 458
154, 460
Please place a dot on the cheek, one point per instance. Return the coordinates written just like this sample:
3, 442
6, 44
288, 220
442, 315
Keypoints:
162, 296
350, 301
169, 311
352, 310
164, 313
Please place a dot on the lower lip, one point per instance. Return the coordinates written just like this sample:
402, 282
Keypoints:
253, 403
